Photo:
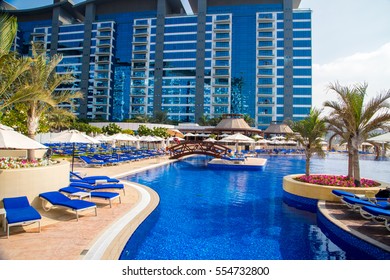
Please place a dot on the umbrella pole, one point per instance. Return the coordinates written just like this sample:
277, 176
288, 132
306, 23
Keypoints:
73, 156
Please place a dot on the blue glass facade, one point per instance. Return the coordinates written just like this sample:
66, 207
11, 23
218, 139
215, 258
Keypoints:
136, 67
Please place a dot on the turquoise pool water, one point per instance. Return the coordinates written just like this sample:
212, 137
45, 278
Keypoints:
229, 214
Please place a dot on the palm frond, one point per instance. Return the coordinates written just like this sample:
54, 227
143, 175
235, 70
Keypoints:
8, 29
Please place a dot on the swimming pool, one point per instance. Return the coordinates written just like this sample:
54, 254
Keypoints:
207, 214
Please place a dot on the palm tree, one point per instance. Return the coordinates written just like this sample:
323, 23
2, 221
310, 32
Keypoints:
11, 66
8, 29
41, 81
310, 131
357, 119
59, 119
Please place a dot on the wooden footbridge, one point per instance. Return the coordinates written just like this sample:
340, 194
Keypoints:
201, 148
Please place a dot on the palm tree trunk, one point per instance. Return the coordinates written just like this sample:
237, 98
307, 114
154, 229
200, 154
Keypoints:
32, 127
308, 157
356, 168
350, 159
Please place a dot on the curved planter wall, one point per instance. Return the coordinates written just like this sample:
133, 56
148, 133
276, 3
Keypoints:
317, 191
33, 181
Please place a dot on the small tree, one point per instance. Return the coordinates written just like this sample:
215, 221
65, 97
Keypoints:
161, 132
144, 130
128, 131
310, 131
111, 129
356, 119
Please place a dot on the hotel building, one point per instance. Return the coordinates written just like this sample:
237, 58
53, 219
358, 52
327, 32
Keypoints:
187, 58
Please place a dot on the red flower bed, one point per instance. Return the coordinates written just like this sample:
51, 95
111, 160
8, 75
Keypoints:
334, 180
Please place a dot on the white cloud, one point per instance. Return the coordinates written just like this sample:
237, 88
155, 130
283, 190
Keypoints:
372, 68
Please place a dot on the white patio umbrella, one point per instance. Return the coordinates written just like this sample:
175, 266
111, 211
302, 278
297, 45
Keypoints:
73, 136
148, 139
123, 137
210, 140
262, 141
383, 139
10, 139
103, 138
238, 138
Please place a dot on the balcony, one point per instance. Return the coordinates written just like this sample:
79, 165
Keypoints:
103, 68
140, 50
266, 65
265, 18
266, 45
141, 32
105, 29
264, 27
143, 23
104, 35
222, 19
100, 94
103, 43
221, 38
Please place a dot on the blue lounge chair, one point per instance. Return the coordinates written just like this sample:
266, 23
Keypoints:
356, 204
378, 214
74, 177
98, 187
60, 200
340, 194
89, 161
105, 195
20, 212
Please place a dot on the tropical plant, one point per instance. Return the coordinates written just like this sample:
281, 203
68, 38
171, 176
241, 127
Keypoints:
144, 130
203, 120
11, 66
59, 119
128, 131
250, 121
160, 132
41, 82
8, 29
111, 129
309, 133
354, 119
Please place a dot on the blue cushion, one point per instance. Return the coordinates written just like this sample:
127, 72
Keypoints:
15, 202
22, 215
96, 187
105, 195
59, 199
71, 190
353, 200
343, 193
376, 211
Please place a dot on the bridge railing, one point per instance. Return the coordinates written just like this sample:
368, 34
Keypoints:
197, 147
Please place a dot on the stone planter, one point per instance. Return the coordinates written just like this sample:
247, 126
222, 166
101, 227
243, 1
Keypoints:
320, 192
33, 181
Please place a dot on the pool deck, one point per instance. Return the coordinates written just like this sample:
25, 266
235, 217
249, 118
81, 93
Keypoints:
62, 237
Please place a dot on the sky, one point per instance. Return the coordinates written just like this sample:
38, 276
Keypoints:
351, 43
